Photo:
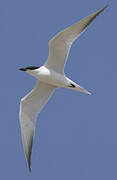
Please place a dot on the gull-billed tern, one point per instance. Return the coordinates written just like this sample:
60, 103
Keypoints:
49, 77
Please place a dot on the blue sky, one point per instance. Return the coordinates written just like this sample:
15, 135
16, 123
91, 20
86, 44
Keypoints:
76, 134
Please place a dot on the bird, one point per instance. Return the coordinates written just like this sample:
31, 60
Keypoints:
49, 77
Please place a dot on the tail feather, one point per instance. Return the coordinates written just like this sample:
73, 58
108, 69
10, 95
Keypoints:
81, 89
77, 87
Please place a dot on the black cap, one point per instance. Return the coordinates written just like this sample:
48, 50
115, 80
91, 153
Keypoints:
29, 68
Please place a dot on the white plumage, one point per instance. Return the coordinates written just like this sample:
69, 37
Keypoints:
49, 77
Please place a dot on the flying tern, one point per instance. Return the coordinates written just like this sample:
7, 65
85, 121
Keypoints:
49, 77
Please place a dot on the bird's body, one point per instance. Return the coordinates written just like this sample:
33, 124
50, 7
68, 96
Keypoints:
56, 79
49, 77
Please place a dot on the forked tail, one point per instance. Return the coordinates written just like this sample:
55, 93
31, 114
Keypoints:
72, 85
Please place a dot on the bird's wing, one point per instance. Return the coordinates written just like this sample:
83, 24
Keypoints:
59, 46
30, 107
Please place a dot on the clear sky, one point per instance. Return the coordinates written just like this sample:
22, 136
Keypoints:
76, 134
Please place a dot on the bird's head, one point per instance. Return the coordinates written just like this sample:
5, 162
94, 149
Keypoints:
30, 69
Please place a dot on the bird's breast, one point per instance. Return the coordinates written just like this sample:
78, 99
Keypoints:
52, 77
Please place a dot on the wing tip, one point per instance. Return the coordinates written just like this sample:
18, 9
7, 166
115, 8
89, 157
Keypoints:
29, 165
106, 6
102, 9
29, 160
29, 169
